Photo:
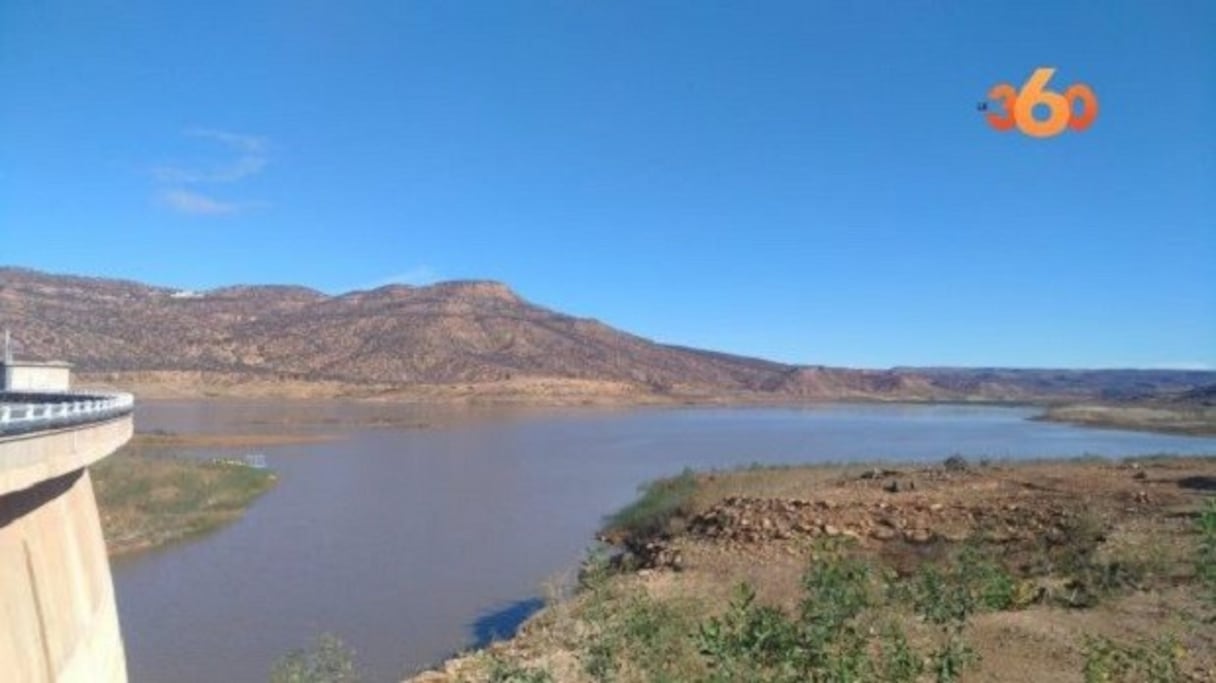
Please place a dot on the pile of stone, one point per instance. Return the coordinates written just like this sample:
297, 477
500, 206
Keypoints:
658, 555
758, 520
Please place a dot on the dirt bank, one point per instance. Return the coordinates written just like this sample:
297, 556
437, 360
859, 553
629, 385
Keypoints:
1045, 571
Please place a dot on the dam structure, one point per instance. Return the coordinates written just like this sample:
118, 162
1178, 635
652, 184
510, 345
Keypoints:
58, 618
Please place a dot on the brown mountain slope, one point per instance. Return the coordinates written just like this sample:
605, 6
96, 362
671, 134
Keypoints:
467, 333
396, 335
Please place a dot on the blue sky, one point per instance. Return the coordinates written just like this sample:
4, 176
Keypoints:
805, 181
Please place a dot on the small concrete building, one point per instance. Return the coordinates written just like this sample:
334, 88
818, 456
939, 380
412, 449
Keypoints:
21, 375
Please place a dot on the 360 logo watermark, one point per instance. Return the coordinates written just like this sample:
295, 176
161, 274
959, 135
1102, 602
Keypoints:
1075, 109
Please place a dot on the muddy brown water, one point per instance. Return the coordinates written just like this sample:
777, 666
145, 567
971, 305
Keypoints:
408, 542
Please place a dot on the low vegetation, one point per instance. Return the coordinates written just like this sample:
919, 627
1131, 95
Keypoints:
1192, 418
1091, 570
1205, 559
1158, 661
660, 502
148, 498
163, 439
328, 660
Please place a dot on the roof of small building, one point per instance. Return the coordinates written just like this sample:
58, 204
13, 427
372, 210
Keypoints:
35, 363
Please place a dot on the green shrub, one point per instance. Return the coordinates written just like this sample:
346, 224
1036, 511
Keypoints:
502, 671
329, 660
1205, 559
1109, 662
600, 661
636, 632
972, 582
898, 663
749, 638
657, 636
829, 641
940, 600
1074, 554
992, 587
949, 660
595, 570
834, 635
948, 596
837, 588
661, 500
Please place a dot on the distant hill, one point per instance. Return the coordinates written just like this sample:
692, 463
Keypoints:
1201, 396
1192, 411
1105, 384
457, 333
452, 332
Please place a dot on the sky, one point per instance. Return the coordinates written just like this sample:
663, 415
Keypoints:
805, 181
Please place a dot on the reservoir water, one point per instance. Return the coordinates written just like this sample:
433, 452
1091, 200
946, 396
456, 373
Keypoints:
402, 540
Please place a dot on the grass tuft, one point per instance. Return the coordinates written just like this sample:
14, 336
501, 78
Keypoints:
661, 501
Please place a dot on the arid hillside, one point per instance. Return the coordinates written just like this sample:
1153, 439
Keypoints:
452, 332
459, 335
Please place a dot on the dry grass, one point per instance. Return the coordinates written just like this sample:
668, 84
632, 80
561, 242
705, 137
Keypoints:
175, 440
151, 500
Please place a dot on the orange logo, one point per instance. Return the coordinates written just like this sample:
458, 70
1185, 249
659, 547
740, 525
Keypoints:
1018, 107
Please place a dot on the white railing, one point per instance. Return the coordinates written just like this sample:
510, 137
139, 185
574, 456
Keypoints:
30, 412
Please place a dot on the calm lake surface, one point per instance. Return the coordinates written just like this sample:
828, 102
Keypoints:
401, 540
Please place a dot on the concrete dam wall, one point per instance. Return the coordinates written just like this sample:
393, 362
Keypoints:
57, 610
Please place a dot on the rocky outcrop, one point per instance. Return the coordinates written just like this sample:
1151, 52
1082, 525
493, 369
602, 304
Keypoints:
759, 520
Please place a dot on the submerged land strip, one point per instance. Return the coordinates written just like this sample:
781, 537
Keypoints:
1192, 420
1090, 569
164, 439
149, 496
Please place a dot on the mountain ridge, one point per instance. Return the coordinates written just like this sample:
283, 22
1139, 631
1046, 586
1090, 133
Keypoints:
466, 333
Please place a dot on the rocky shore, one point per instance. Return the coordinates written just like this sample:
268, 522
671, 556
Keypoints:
1066, 563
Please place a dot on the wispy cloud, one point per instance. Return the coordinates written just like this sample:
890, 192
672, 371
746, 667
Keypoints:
249, 158
418, 275
196, 203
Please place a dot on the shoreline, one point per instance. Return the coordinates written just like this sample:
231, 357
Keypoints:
150, 500
1185, 421
690, 543
1198, 422
163, 439
532, 392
